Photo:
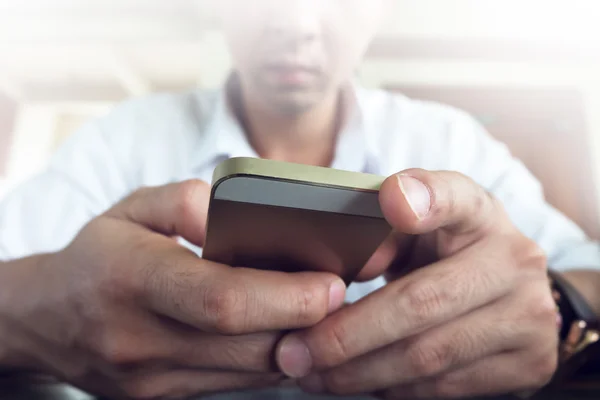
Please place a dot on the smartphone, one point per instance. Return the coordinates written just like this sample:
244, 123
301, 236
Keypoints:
290, 217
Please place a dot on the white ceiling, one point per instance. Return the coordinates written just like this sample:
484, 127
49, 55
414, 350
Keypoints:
109, 49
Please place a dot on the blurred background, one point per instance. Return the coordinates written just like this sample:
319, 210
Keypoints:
528, 69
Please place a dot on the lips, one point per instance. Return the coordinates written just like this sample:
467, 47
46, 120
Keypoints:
288, 74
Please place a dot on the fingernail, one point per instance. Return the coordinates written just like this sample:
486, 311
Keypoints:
312, 384
294, 358
337, 295
417, 195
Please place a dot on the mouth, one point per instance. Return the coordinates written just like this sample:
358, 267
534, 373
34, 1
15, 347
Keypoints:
291, 74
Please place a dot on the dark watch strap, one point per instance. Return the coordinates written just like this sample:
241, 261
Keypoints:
573, 306
579, 304
580, 339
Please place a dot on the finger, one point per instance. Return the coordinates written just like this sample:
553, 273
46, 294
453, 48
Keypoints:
509, 324
220, 299
500, 374
149, 340
178, 209
380, 260
423, 251
426, 298
394, 250
183, 384
246, 353
418, 201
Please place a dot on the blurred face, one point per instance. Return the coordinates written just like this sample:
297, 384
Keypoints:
290, 54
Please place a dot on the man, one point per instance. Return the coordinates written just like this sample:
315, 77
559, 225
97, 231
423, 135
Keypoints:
95, 290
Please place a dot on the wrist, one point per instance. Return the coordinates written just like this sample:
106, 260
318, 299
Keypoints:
18, 287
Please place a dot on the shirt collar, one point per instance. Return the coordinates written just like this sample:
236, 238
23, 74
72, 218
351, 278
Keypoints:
224, 136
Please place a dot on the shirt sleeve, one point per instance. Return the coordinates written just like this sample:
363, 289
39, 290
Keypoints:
475, 153
82, 180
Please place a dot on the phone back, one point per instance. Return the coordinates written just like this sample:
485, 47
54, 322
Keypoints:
278, 224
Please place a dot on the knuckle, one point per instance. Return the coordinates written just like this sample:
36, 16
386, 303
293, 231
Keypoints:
308, 306
445, 196
172, 280
93, 226
483, 202
536, 306
458, 194
128, 206
225, 307
253, 354
427, 360
120, 349
544, 309
542, 371
530, 255
424, 302
124, 207
451, 185
337, 350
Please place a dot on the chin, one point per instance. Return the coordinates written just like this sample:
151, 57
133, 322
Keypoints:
294, 103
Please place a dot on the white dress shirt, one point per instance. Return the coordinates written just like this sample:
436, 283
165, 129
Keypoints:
174, 137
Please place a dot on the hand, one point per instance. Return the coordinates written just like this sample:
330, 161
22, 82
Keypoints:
479, 319
127, 312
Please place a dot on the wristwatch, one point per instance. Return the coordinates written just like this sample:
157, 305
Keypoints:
578, 331
579, 323
579, 334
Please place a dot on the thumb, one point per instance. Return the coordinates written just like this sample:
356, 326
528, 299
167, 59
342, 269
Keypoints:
418, 201
405, 201
177, 209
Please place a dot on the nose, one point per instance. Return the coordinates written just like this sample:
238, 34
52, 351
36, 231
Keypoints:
295, 20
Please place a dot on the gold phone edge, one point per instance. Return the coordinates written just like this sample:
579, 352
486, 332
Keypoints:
296, 172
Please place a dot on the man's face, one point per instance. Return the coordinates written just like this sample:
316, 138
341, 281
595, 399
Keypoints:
290, 54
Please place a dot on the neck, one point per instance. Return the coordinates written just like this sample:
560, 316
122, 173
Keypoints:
306, 138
